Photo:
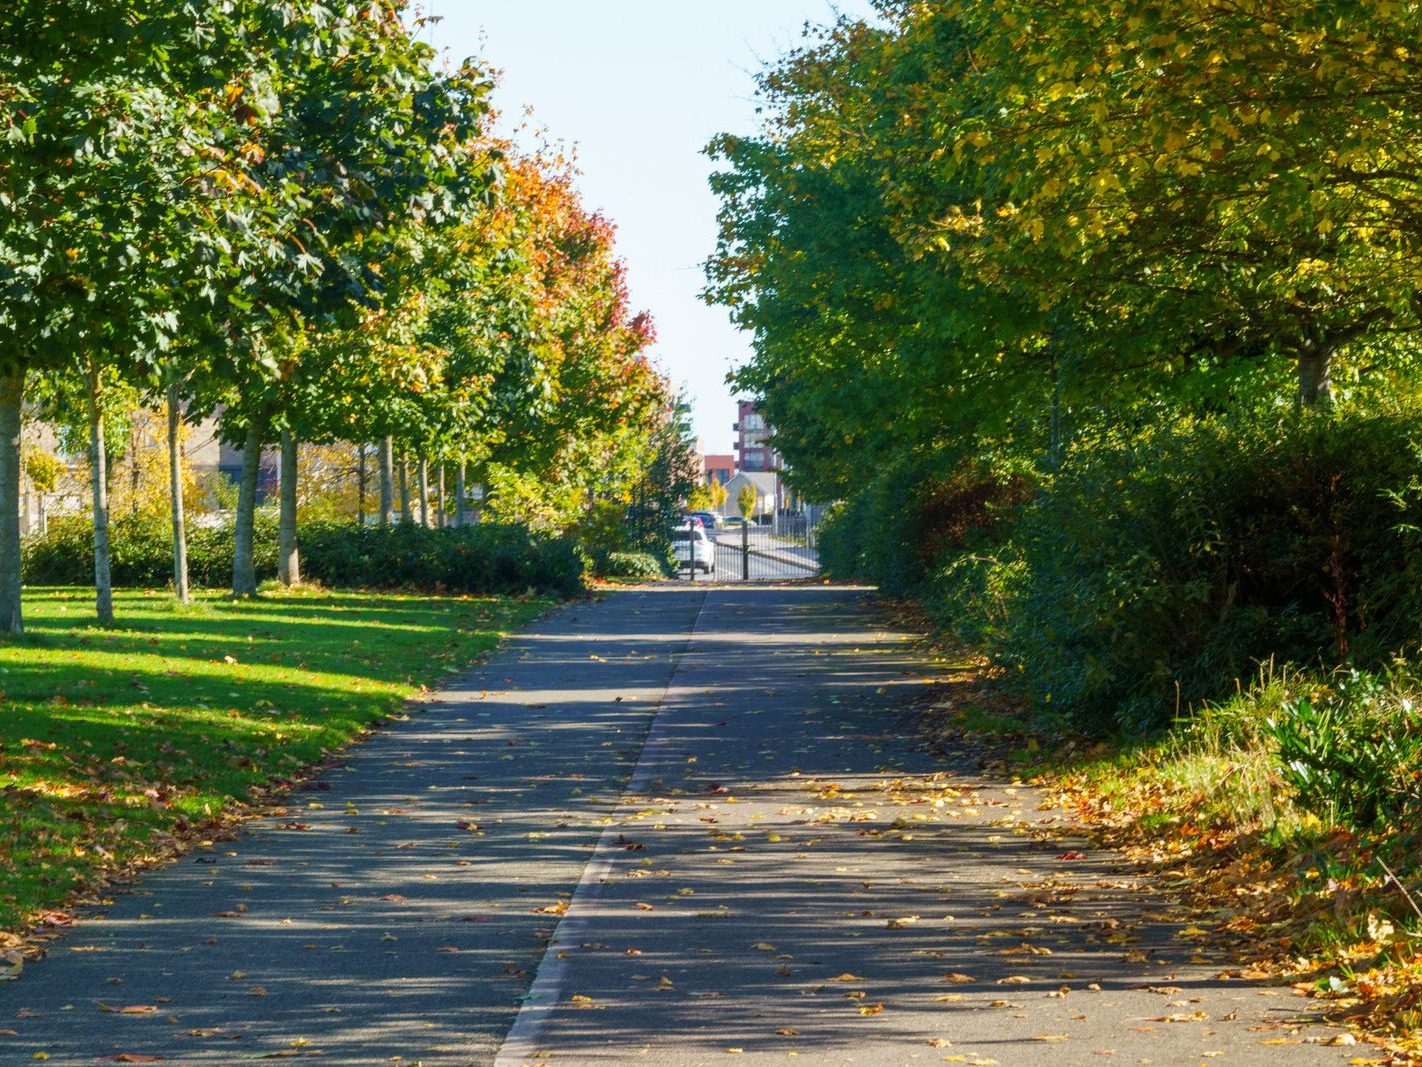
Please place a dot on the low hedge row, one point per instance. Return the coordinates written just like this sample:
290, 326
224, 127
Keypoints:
482, 559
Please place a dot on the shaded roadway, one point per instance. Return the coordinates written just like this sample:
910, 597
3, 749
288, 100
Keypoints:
791, 872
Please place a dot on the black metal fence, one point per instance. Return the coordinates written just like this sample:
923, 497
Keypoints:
775, 551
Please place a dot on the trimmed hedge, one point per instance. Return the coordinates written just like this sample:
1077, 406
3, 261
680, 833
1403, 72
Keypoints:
482, 559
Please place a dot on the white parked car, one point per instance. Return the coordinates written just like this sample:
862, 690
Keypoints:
694, 548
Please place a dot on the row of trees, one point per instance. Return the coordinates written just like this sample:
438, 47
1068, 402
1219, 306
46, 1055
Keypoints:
1102, 321
290, 215
993, 221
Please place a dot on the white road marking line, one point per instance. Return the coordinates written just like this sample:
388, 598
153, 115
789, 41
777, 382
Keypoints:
521, 1043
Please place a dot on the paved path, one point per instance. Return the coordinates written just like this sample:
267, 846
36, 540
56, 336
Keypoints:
678, 826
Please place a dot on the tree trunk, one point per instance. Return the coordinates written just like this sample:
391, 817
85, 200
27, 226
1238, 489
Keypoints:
387, 481
441, 515
459, 495
175, 494
424, 471
12, 399
99, 479
133, 472
288, 556
1316, 376
404, 471
361, 480
244, 563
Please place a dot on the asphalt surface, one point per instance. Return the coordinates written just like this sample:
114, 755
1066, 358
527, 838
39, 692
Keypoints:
678, 826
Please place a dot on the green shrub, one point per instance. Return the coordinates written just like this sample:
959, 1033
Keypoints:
1160, 568
1354, 754
141, 552
485, 558
472, 559
917, 518
632, 565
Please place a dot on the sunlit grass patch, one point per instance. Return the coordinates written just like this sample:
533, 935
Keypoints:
114, 741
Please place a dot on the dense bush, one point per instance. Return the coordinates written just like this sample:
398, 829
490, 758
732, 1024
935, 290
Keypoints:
141, 547
485, 558
930, 530
1160, 568
1351, 755
631, 565
472, 559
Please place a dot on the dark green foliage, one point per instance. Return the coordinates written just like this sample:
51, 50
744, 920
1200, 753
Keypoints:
632, 565
485, 558
473, 559
142, 552
938, 534
1353, 755
1159, 569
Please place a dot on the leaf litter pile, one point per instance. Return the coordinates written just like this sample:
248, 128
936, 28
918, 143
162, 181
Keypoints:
119, 746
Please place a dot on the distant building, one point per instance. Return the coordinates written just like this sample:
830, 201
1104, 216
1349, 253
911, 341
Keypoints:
767, 494
753, 433
718, 469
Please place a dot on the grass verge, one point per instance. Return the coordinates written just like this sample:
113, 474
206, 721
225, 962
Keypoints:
117, 744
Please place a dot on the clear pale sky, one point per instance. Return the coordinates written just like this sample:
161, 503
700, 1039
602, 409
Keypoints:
640, 86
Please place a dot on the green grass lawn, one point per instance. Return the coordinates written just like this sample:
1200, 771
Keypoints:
114, 741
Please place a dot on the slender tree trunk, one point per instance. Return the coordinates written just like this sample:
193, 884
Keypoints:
175, 494
442, 515
424, 473
133, 473
244, 563
99, 471
459, 495
12, 399
404, 470
361, 480
288, 555
1316, 376
387, 481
